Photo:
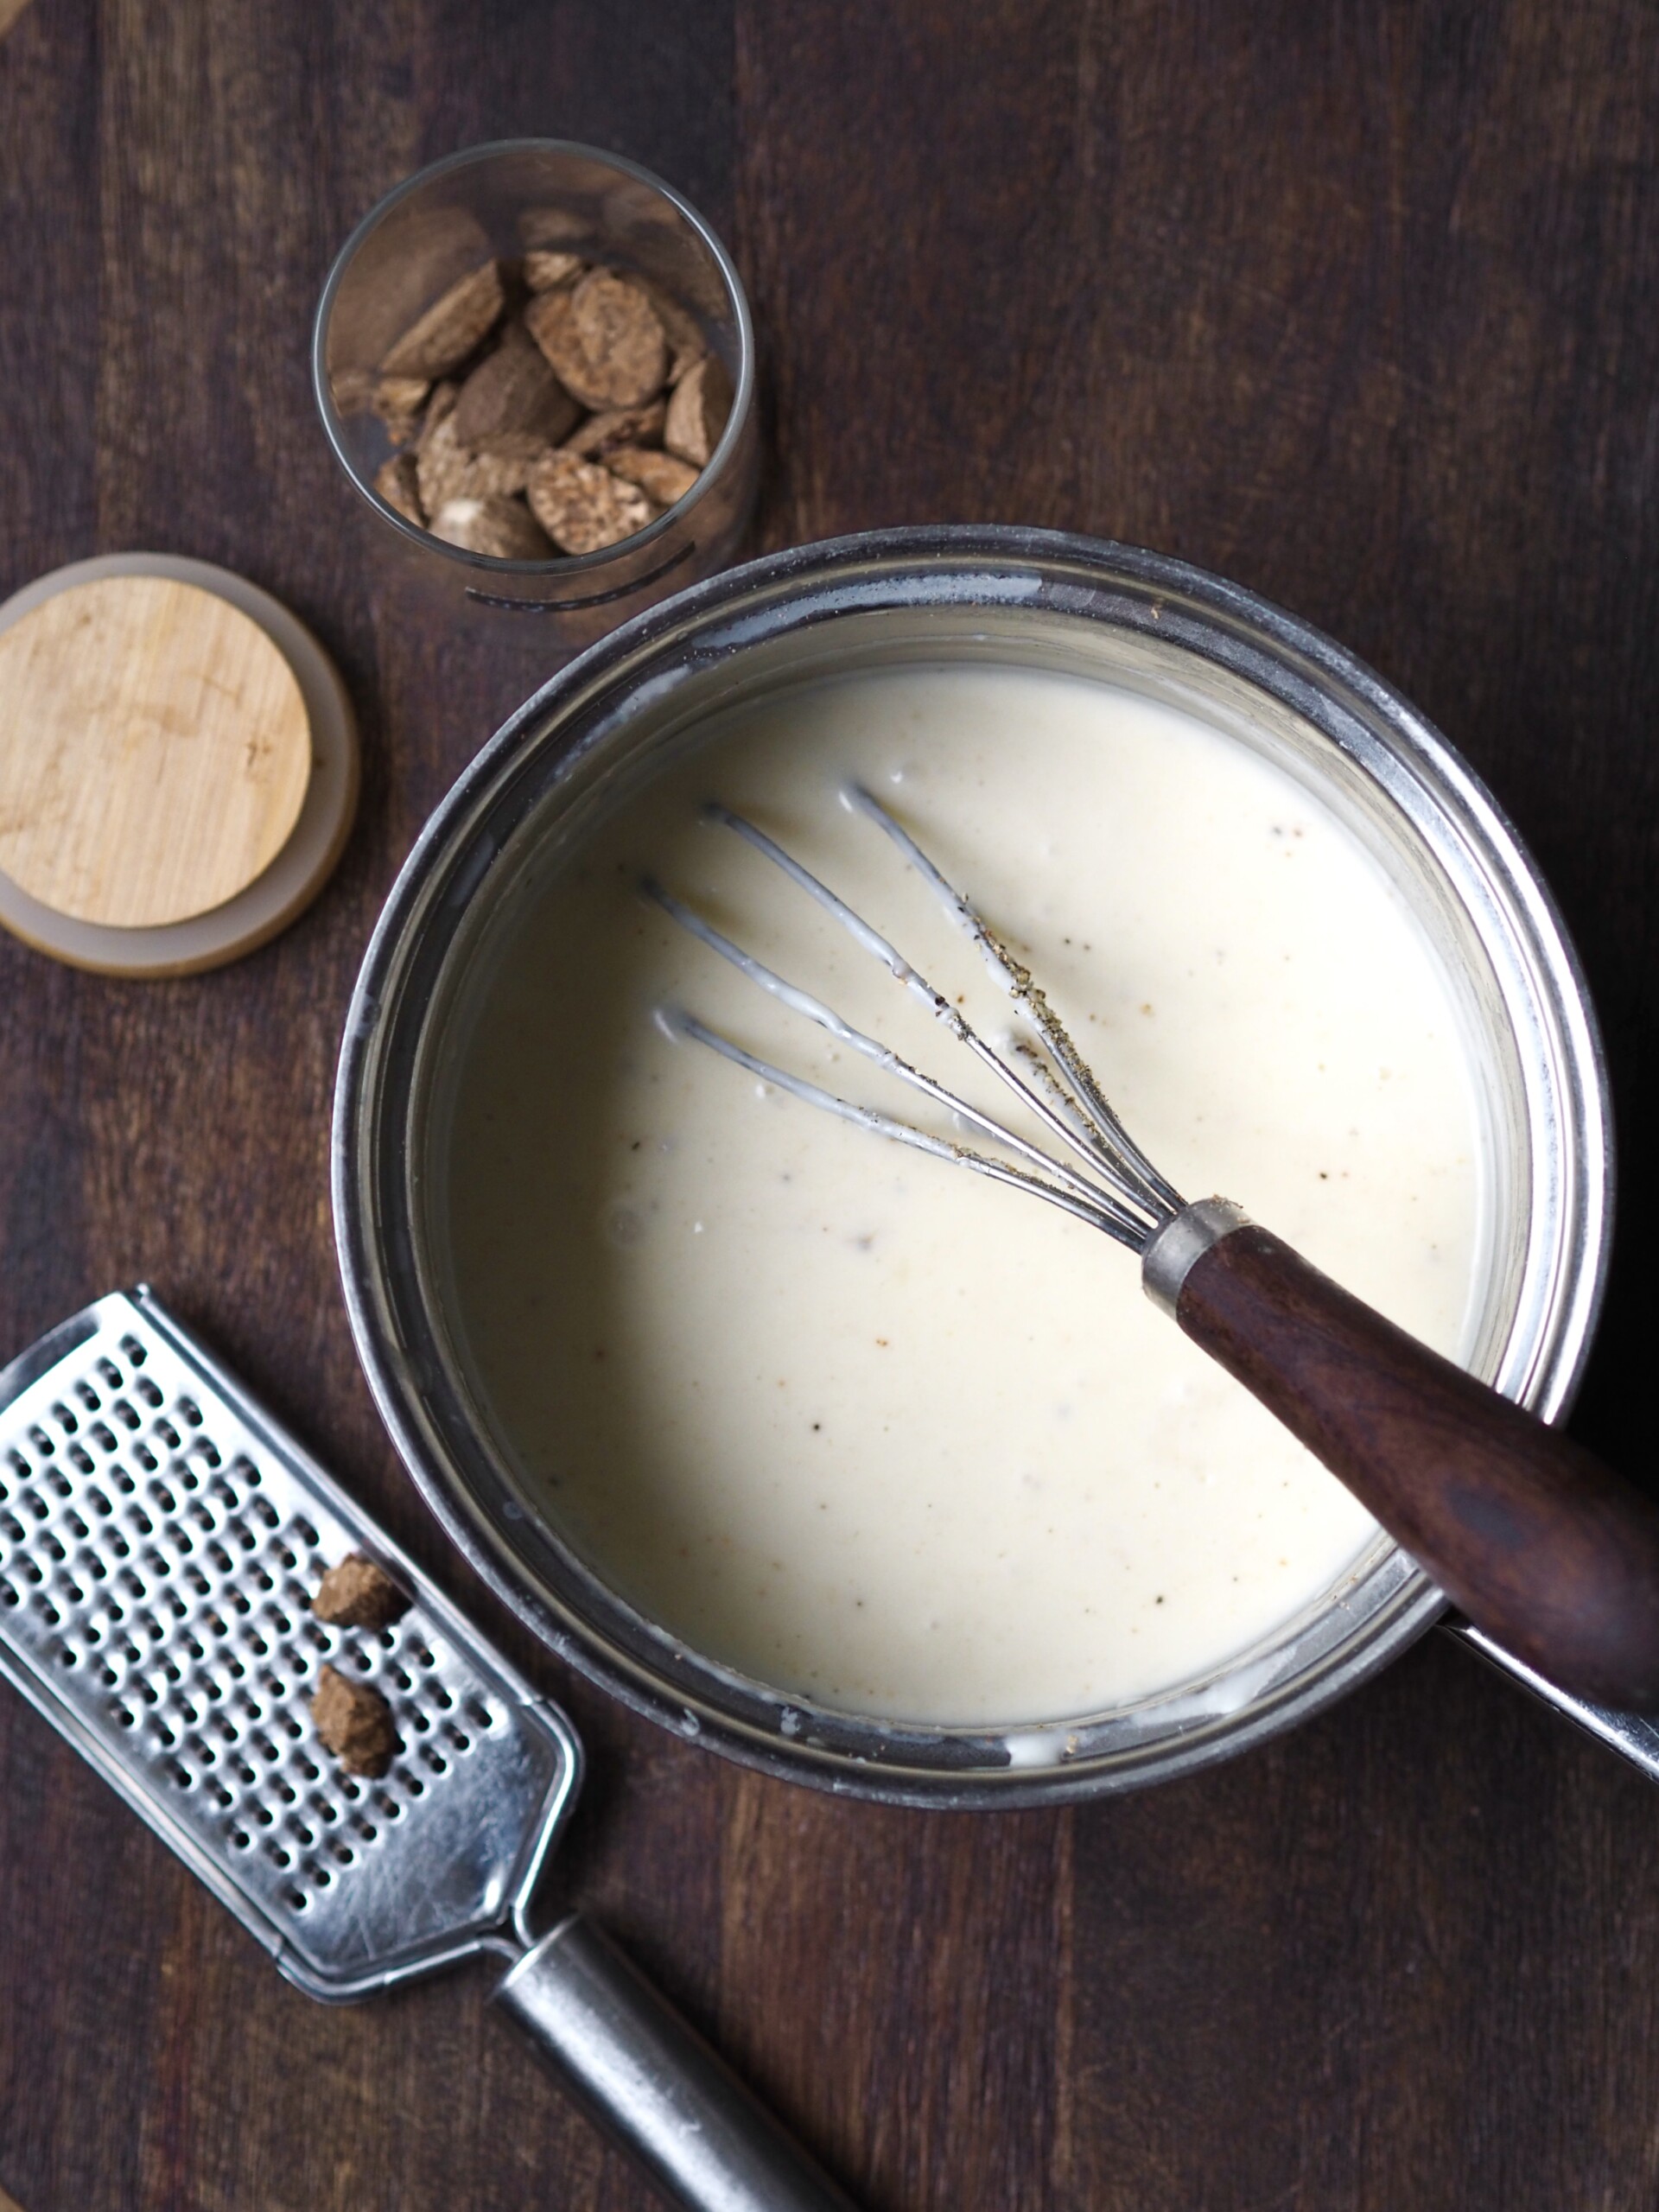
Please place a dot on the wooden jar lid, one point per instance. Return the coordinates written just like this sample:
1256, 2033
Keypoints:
178, 764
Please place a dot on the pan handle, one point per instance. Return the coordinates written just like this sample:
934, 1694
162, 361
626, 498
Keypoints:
652, 2082
1632, 1735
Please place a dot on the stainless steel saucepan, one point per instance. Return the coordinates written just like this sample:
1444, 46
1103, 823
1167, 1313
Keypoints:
992, 597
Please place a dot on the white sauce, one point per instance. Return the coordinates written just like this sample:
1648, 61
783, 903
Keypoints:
872, 1430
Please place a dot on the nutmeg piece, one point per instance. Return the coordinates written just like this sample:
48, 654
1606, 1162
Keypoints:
399, 483
618, 426
357, 1594
442, 461
697, 410
603, 339
546, 271
498, 527
398, 401
661, 476
354, 1722
513, 390
582, 506
451, 327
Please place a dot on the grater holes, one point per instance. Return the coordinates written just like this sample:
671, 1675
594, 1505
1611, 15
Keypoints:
279, 1854
29, 1569
241, 1838
47, 1611
435, 1758
204, 1454
10, 1595
126, 1412
188, 1412
457, 1738
102, 1436
132, 1350
67, 1420
263, 1506
144, 1456
163, 1428
145, 1389
41, 1442
12, 1527
52, 1545
161, 1495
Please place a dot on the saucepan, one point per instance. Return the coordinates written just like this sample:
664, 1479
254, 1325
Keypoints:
1002, 597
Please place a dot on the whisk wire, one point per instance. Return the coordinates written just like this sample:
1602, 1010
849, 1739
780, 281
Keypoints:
1137, 1200
1060, 1113
1100, 1212
803, 1002
1112, 1140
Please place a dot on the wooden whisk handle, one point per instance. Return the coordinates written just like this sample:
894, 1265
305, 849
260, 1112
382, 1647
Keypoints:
1548, 1550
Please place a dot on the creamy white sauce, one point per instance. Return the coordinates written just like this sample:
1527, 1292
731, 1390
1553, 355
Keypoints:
872, 1430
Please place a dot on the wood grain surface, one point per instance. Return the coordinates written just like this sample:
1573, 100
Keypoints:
1355, 302
155, 751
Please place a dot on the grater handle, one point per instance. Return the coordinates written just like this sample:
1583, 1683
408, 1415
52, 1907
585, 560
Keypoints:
653, 2084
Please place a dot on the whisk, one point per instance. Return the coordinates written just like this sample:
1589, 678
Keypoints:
1544, 1547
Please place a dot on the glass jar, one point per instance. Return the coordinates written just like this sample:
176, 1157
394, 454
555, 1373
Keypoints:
501, 201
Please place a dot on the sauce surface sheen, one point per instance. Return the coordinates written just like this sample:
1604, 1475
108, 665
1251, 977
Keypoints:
871, 1430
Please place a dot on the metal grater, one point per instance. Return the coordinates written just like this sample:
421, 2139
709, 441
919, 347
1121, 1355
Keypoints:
161, 1538
160, 1542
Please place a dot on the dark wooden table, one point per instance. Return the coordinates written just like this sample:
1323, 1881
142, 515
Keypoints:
1354, 302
